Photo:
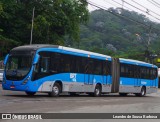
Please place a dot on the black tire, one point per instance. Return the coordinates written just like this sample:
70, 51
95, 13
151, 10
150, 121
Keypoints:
30, 93
97, 91
142, 93
123, 94
56, 90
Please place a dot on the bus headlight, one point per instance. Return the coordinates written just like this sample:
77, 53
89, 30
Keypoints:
26, 80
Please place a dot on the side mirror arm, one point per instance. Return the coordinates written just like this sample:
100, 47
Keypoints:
36, 59
6, 59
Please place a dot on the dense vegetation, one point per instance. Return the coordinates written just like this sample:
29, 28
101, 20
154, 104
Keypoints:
65, 22
54, 20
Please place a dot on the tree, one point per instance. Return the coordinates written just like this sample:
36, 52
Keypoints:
54, 19
5, 43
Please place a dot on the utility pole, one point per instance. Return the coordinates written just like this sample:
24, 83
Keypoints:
148, 54
32, 25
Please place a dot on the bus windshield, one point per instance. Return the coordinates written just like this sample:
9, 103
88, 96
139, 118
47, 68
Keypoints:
18, 66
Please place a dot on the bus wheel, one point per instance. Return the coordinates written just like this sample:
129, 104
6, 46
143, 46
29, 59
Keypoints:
142, 93
55, 90
97, 91
30, 93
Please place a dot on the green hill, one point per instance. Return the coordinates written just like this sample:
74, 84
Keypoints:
109, 34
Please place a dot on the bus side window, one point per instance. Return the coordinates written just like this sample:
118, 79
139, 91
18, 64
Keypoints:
126, 74
65, 63
55, 65
137, 72
154, 73
126, 70
44, 64
122, 70
88, 66
109, 67
106, 67
77, 64
83, 65
98, 67
130, 71
142, 72
148, 73
72, 64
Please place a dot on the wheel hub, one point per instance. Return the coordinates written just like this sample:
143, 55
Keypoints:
56, 90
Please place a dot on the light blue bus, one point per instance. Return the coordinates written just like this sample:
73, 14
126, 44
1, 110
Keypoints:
56, 69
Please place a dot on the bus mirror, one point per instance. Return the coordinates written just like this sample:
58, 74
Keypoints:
5, 60
36, 59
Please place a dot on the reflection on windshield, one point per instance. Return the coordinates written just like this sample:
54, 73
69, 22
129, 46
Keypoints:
18, 67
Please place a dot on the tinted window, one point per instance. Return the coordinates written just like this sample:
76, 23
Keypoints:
135, 71
106, 67
52, 63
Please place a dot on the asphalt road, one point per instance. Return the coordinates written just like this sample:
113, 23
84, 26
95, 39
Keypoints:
19, 102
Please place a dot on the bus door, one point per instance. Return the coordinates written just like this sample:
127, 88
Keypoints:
89, 77
106, 72
137, 76
41, 69
107, 79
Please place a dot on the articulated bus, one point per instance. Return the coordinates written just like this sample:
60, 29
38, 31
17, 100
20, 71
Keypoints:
57, 69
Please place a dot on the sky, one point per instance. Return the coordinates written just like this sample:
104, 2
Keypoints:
153, 6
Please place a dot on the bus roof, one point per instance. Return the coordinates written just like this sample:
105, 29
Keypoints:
136, 62
41, 46
83, 52
34, 47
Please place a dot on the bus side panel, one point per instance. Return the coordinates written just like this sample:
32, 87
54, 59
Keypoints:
127, 85
69, 81
106, 87
73, 82
153, 86
88, 85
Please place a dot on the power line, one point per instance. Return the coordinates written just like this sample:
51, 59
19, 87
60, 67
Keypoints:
93, 7
119, 4
145, 8
133, 6
141, 10
153, 3
121, 16
116, 14
156, 2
